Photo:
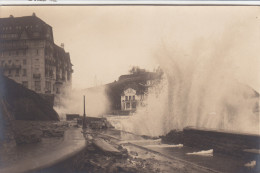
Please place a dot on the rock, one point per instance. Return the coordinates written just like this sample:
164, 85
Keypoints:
53, 133
133, 153
29, 136
173, 137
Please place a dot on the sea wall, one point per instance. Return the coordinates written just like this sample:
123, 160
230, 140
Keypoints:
220, 141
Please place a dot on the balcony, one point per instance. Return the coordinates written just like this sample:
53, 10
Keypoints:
59, 81
37, 76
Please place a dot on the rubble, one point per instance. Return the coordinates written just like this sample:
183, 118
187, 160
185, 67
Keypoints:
26, 132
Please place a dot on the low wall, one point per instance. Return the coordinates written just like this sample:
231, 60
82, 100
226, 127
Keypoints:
220, 141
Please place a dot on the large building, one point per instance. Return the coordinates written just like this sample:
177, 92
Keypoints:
29, 55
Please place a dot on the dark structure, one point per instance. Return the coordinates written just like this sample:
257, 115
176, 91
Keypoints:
70, 117
23, 104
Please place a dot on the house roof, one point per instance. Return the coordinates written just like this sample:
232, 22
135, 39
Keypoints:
136, 86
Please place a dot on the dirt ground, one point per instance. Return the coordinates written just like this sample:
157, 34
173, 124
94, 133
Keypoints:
130, 160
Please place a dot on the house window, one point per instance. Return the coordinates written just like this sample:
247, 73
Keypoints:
25, 84
126, 98
9, 61
127, 105
24, 72
24, 62
134, 105
129, 97
133, 97
37, 85
24, 52
37, 52
2, 62
17, 53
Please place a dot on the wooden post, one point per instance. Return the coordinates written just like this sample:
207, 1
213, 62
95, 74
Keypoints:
84, 114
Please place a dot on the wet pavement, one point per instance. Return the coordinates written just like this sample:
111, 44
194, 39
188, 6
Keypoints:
46, 153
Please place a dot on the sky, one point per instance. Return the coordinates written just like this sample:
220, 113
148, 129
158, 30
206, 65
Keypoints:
104, 42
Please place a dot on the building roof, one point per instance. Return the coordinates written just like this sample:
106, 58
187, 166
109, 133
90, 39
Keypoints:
26, 24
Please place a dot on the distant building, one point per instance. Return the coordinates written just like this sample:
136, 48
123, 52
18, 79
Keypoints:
29, 55
130, 99
135, 93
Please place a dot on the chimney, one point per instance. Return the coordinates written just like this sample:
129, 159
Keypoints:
33, 14
11, 16
62, 45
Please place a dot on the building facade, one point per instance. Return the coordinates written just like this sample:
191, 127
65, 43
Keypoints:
29, 56
130, 99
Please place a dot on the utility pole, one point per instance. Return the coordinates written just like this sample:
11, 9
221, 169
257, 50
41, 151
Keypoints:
84, 114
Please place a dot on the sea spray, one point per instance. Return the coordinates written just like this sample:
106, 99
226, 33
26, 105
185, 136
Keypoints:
199, 89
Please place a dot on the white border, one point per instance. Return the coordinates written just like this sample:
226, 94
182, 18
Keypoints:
128, 2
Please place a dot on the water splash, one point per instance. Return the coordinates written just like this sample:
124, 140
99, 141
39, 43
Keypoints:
201, 88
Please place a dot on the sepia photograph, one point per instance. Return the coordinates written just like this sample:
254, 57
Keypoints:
129, 88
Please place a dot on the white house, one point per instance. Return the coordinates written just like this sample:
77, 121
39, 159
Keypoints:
130, 99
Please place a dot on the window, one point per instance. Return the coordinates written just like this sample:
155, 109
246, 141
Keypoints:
24, 72
126, 98
134, 105
48, 85
127, 105
9, 53
37, 52
3, 62
9, 72
17, 72
17, 53
25, 84
24, 52
37, 85
9, 61
24, 62
129, 97
133, 97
